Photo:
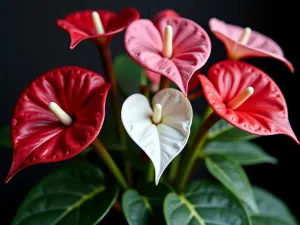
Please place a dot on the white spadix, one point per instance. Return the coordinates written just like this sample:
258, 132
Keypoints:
97, 23
60, 114
168, 42
238, 100
245, 36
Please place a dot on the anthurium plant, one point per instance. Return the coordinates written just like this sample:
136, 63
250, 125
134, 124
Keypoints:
150, 141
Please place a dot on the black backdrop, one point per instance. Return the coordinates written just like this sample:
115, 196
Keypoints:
30, 44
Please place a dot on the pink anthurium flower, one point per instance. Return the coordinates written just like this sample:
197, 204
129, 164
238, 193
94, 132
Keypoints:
175, 47
247, 98
99, 25
243, 43
155, 77
57, 117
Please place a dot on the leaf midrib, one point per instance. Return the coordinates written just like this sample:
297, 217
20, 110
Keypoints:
241, 196
79, 203
194, 212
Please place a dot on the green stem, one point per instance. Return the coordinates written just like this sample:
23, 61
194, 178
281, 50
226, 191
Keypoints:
110, 75
150, 173
174, 168
193, 152
110, 163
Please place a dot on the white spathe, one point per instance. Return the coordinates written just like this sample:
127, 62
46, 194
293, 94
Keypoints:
164, 141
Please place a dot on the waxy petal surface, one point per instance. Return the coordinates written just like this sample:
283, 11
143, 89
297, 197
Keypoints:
258, 45
191, 48
80, 24
263, 113
164, 13
162, 142
37, 134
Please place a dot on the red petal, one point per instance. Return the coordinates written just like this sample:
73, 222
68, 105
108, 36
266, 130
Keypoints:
191, 48
164, 13
258, 45
194, 82
263, 113
80, 25
38, 136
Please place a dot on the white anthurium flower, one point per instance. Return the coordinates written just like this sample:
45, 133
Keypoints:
162, 132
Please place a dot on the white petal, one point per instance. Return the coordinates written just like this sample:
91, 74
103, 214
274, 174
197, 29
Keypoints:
162, 143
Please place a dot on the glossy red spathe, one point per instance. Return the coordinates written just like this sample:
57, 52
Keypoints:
80, 25
37, 134
164, 13
191, 48
263, 113
258, 44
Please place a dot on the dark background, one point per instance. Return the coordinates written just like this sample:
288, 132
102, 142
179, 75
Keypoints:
31, 44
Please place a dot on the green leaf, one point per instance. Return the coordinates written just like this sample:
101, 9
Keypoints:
194, 128
128, 74
156, 193
108, 135
232, 176
74, 194
245, 153
136, 208
272, 210
223, 131
5, 138
204, 203
265, 220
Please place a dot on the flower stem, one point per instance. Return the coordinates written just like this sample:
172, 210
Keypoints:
110, 163
110, 75
150, 172
195, 95
191, 156
164, 83
174, 168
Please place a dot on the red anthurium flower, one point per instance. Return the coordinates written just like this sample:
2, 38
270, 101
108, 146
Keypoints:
175, 48
164, 13
99, 25
247, 98
244, 43
57, 117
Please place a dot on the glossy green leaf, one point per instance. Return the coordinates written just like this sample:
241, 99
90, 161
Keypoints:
5, 138
128, 74
194, 128
272, 211
136, 208
74, 194
245, 153
156, 193
223, 131
232, 176
204, 203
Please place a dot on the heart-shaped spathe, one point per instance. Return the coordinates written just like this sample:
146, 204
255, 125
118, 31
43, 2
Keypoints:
164, 141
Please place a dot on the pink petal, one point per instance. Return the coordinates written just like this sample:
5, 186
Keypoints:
258, 45
191, 48
153, 77
263, 113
